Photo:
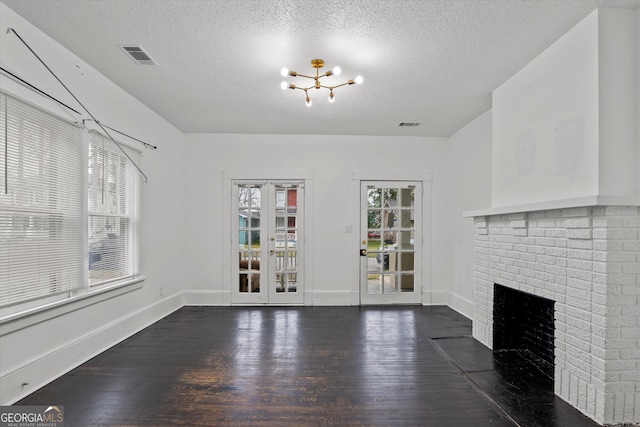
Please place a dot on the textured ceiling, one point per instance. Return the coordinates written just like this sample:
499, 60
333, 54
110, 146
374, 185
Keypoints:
433, 62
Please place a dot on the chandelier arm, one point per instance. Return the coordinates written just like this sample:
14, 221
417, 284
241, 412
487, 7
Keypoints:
303, 75
343, 84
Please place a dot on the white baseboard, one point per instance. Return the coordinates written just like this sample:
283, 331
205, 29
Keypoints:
222, 298
456, 302
436, 297
40, 371
332, 298
462, 305
206, 297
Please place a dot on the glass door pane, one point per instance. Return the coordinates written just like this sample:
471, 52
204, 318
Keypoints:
284, 260
249, 238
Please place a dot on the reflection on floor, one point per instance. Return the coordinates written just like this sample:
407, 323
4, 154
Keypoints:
337, 366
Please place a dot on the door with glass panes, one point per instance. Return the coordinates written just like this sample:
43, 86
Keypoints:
390, 242
268, 241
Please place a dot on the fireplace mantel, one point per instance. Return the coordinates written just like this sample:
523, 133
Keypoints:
577, 202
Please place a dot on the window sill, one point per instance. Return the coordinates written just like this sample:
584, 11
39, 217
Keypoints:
24, 319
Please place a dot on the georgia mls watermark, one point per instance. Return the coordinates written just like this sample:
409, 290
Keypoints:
32, 416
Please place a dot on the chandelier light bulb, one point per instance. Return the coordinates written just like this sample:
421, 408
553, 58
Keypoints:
331, 97
284, 85
358, 80
337, 71
284, 71
308, 103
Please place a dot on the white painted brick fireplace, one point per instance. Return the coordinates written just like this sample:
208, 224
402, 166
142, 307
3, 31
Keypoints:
587, 260
564, 221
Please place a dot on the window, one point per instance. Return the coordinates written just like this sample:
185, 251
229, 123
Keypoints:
41, 218
114, 205
69, 208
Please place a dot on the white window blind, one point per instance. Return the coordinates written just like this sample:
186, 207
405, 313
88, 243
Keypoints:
114, 210
41, 208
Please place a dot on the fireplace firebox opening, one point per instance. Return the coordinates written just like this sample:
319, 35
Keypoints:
524, 322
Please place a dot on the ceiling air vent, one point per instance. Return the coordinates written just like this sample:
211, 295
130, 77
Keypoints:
138, 54
409, 124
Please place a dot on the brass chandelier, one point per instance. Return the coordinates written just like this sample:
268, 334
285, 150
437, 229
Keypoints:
317, 64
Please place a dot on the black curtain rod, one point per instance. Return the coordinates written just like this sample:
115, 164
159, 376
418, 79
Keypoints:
40, 91
79, 103
146, 144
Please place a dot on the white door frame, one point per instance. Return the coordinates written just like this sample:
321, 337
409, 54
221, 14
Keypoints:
391, 285
426, 179
229, 244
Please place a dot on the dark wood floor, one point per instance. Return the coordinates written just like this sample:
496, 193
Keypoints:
315, 366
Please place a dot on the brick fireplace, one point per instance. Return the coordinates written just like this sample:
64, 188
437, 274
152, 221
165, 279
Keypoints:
586, 260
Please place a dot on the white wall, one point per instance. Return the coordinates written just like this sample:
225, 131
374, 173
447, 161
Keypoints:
618, 51
545, 123
331, 160
470, 176
637, 86
563, 125
37, 353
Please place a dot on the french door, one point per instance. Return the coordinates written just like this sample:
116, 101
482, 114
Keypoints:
391, 242
267, 217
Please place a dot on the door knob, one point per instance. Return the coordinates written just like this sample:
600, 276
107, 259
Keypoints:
271, 252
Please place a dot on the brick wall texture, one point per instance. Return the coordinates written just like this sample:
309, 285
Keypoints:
587, 260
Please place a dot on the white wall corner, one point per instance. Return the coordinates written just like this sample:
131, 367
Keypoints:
461, 304
437, 297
